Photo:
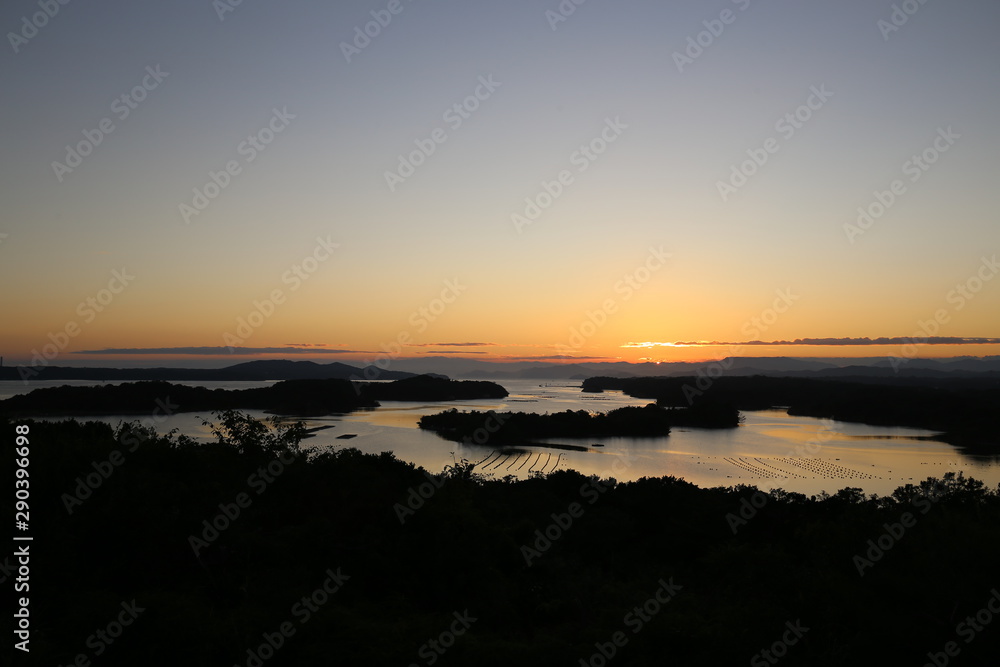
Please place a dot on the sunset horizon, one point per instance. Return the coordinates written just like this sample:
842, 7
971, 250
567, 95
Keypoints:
534, 332
220, 357
701, 187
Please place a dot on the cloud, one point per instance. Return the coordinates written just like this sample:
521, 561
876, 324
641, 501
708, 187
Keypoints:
434, 352
453, 344
895, 340
556, 357
657, 344
197, 351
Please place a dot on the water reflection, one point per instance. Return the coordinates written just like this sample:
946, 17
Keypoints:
770, 450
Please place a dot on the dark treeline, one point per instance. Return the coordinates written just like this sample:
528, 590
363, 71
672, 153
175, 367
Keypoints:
550, 567
705, 412
294, 397
524, 427
290, 397
965, 410
517, 427
432, 388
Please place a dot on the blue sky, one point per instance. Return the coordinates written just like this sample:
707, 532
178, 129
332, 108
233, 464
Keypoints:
656, 185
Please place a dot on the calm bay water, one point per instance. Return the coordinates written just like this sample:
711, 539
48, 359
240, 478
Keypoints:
770, 450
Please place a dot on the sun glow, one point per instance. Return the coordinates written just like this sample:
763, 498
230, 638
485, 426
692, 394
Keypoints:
650, 344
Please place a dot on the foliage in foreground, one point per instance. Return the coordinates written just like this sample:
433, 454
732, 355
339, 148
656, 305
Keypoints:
419, 548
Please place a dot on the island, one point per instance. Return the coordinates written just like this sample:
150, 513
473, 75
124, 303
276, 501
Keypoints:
524, 427
432, 388
962, 410
290, 397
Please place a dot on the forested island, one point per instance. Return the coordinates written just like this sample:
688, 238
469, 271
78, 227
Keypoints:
292, 397
367, 560
509, 428
519, 427
964, 410
289, 397
432, 388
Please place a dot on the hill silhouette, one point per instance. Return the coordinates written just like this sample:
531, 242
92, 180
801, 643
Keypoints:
550, 568
432, 388
291, 397
964, 410
513, 428
288, 397
260, 370
523, 427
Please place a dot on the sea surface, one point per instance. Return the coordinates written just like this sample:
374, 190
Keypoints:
769, 450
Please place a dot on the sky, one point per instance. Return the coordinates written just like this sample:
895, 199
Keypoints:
521, 180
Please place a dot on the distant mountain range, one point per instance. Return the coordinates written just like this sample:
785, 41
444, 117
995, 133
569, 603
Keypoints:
399, 369
772, 366
249, 371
